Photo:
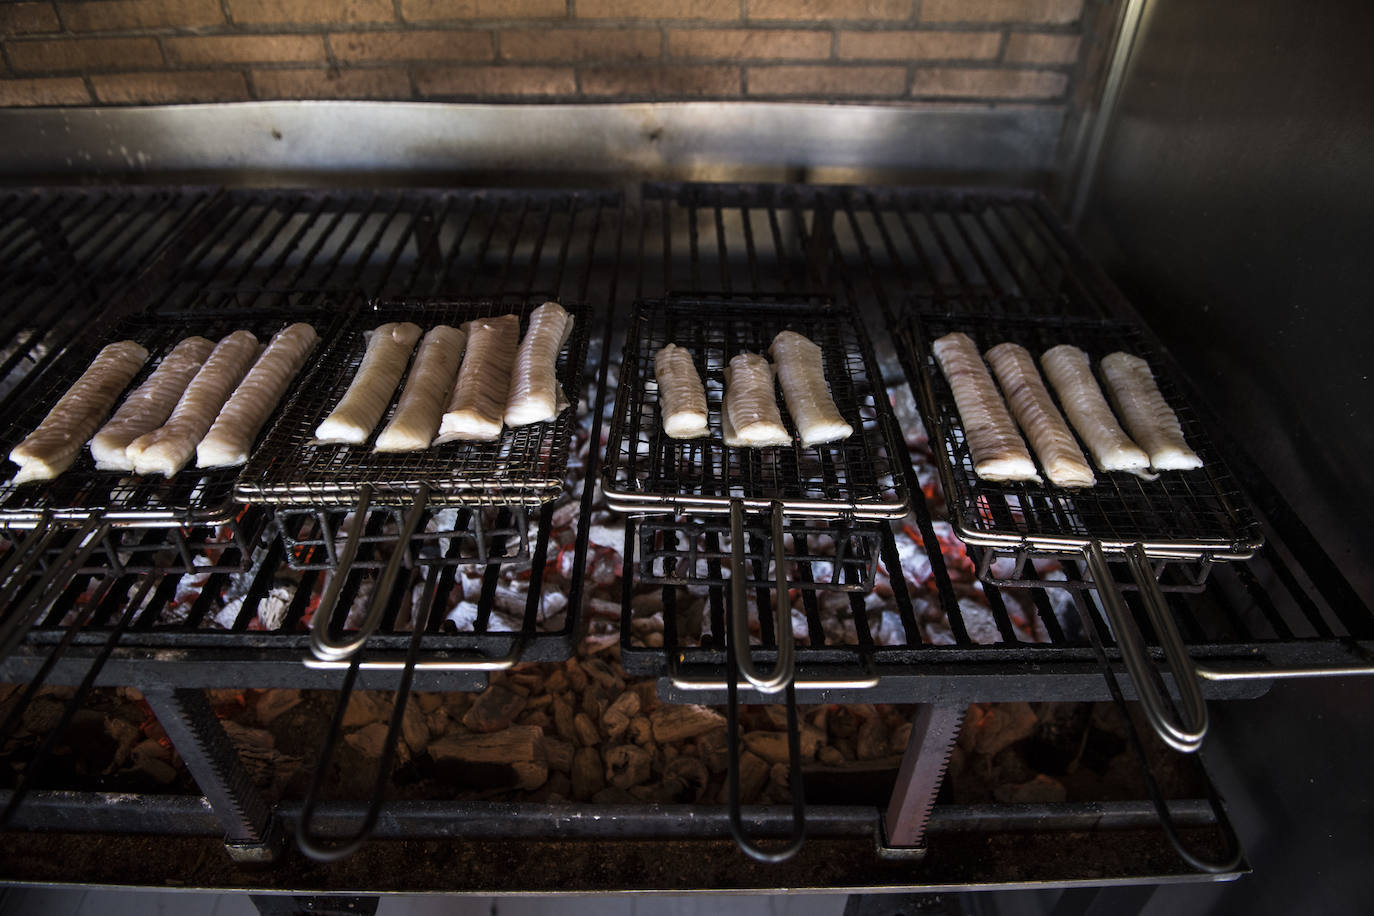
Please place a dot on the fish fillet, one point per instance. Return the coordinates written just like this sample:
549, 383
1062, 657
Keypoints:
751, 412
1140, 404
416, 420
802, 374
533, 384
479, 400
53, 446
168, 448
681, 396
229, 439
150, 405
1040, 420
994, 444
1072, 377
384, 362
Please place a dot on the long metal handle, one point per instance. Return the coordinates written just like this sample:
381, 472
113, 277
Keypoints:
333, 849
324, 646
26, 553
1185, 736
503, 663
783, 670
21, 616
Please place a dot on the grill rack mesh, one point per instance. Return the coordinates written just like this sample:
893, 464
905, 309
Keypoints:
1182, 514
526, 466
475, 537
646, 470
191, 497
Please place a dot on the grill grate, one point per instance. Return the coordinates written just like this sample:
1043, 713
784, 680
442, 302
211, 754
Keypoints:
647, 470
526, 466
1182, 514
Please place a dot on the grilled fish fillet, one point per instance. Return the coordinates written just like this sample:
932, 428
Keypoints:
802, 374
168, 448
1140, 404
993, 442
751, 412
681, 396
426, 394
479, 401
1069, 372
533, 383
1039, 419
53, 446
229, 439
384, 362
150, 405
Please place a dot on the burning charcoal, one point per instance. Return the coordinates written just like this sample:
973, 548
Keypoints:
587, 774
616, 719
678, 723
587, 732
559, 754
495, 709
125, 735
519, 748
998, 725
628, 765
564, 719
272, 703
1040, 790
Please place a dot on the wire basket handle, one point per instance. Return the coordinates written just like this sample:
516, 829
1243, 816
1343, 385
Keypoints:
1185, 736
326, 647
332, 849
20, 615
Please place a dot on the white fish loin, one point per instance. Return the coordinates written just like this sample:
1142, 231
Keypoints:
384, 362
801, 371
996, 447
681, 396
1040, 420
427, 390
53, 446
750, 413
238, 424
1069, 371
167, 449
1142, 407
533, 385
478, 405
150, 405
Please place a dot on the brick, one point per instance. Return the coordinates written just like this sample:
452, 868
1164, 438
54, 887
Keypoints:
27, 18
830, 9
109, 15
181, 86
658, 9
84, 54
580, 44
454, 46
749, 44
1046, 11
370, 83
237, 49
436, 10
297, 12
1032, 48
827, 81
919, 45
660, 82
951, 82
495, 81
67, 90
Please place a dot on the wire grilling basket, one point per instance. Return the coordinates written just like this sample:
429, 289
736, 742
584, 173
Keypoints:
834, 489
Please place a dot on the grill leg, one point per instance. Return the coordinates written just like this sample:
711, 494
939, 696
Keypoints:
251, 833
933, 734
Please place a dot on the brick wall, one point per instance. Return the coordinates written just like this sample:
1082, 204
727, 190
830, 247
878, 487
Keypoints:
124, 52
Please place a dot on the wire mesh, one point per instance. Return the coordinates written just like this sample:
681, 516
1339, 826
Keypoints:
647, 470
194, 496
526, 466
450, 537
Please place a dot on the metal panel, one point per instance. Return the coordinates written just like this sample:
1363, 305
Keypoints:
546, 143
1232, 205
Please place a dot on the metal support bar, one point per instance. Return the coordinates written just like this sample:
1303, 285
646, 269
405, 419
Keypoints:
933, 733
251, 832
